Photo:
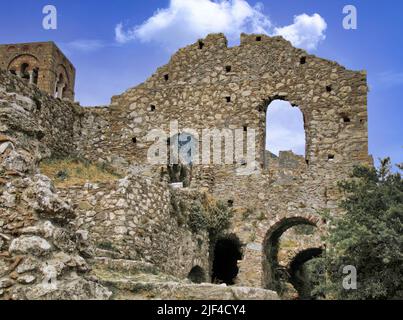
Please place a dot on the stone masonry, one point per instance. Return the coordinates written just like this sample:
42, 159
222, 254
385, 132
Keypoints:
40, 63
207, 85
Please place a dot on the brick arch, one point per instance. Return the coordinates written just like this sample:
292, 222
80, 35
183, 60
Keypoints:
276, 228
17, 61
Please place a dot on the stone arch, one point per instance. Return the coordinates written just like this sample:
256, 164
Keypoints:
197, 275
272, 274
17, 61
295, 267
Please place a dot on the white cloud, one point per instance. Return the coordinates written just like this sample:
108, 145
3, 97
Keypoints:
185, 21
306, 31
285, 128
83, 45
391, 78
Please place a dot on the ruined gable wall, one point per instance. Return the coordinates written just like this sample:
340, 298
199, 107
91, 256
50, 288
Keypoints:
193, 88
197, 86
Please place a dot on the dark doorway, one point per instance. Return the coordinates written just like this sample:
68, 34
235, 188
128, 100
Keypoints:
302, 279
227, 253
197, 275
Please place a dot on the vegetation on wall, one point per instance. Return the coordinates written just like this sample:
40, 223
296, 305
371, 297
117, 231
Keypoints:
72, 171
368, 237
210, 215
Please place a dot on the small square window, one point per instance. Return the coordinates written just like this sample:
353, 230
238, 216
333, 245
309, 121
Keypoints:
166, 77
152, 108
328, 88
330, 157
228, 99
228, 68
201, 45
302, 60
258, 38
134, 140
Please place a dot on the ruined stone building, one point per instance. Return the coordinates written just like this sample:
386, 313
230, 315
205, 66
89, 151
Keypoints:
206, 85
42, 64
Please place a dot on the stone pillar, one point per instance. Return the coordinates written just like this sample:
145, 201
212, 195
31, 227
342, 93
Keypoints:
60, 88
31, 76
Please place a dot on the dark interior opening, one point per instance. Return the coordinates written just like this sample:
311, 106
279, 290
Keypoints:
166, 77
24, 71
197, 275
330, 157
227, 253
134, 140
328, 88
303, 60
201, 45
152, 108
228, 99
228, 68
299, 277
258, 38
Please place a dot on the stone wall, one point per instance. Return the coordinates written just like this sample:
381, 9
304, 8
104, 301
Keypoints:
134, 219
210, 85
48, 61
39, 124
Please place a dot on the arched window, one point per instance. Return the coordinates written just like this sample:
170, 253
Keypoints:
284, 130
35, 76
60, 86
24, 71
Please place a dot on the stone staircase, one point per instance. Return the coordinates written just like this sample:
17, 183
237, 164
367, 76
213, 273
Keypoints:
136, 280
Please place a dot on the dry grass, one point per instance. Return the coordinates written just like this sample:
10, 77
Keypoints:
72, 172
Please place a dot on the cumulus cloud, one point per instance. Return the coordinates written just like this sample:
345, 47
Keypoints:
185, 21
306, 31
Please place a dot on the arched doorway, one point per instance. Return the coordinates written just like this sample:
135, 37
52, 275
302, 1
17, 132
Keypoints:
300, 276
273, 274
197, 275
227, 253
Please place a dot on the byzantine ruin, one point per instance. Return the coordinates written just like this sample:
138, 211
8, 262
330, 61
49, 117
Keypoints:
141, 235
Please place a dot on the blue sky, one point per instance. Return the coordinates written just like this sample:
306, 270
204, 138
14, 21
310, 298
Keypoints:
105, 67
